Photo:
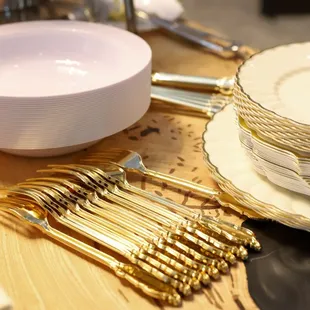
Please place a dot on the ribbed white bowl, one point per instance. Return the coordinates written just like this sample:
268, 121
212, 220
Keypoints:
67, 84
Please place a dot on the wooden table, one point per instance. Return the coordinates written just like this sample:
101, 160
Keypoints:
39, 274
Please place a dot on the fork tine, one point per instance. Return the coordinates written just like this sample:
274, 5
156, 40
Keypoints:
85, 180
113, 154
64, 181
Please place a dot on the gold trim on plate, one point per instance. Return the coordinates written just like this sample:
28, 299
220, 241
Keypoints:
265, 210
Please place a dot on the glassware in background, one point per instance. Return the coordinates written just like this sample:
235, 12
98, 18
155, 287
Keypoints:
14, 5
130, 14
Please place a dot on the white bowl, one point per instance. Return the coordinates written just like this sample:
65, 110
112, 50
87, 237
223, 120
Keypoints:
67, 83
49, 152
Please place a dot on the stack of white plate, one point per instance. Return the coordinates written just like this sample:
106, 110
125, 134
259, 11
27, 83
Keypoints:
258, 149
279, 166
66, 85
272, 103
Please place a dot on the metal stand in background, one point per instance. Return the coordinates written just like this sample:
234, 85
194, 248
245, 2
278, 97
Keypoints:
130, 16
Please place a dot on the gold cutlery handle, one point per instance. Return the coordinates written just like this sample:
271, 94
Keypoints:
148, 284
178, 208
83, 248
135, 275
202, 190
42, 224
223, 85
209, 109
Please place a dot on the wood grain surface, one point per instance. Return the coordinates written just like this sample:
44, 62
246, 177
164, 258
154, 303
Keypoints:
5, 302
38, 273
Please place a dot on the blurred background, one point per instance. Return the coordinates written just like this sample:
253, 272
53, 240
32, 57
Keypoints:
257, 23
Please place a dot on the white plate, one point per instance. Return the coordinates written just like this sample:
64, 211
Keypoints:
277, 79
232, 168
274, 154
66, 83
276, 174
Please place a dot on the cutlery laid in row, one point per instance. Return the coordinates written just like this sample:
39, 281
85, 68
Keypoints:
132, 161
171, 250
31, 213
205, 104
211, 84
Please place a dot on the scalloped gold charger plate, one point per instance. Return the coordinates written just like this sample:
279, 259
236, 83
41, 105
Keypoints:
234, 172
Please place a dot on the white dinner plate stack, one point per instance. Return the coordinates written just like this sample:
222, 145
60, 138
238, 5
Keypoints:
66, 85
272, 103
258, 149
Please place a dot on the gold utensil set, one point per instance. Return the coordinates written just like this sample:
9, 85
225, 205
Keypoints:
161, 247
203, 96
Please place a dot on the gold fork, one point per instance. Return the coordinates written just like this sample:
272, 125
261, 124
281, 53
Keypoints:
32, 214
57, 201
176, 235
127, 223
229, 231
132, 161
120, 240
173, 237
117, 176
103, 234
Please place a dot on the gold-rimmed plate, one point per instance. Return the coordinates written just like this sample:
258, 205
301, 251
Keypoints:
275, 79
233, 170
273, 153
278, 175
272, 96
